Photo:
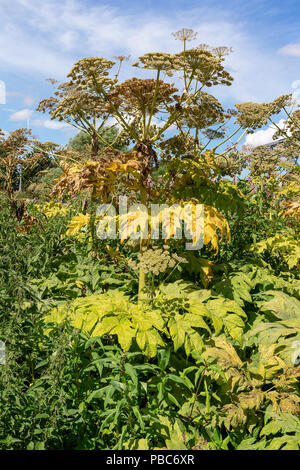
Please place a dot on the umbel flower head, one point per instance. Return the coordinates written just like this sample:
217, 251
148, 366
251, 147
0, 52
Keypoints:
91, 67
83, 94
220, 51
71, 102
204, 66
203, 112
263, 161
156, 260
230, 164
136, 95
177, 147
185, 34
158, 61
254, 115
121, 58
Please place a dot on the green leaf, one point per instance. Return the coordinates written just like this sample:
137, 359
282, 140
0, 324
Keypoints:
148, 341
227, 313
282, 305
273, 427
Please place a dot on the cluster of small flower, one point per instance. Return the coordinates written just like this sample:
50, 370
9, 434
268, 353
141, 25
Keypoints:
156, 260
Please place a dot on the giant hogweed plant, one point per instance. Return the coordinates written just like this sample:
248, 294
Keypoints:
184, 367
92, 95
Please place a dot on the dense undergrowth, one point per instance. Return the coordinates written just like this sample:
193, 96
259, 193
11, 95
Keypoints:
193, 368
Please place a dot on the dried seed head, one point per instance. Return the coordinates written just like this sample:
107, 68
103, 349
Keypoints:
122, 58
185, 34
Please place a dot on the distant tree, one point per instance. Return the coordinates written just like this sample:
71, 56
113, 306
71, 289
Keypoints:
83, 141
42, 161
43, 183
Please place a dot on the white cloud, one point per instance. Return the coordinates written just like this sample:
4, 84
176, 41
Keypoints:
48, 124
291, 50
47, 37
55, 125
263, 136
22, 115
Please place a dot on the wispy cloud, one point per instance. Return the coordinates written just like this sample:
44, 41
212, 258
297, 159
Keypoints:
22, 115
65, 129
33, 39
291, 50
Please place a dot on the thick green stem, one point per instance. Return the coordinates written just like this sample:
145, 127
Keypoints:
207, 397
142, 284
92, 223
142, 273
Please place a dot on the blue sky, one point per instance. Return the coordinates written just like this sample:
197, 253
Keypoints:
43, 38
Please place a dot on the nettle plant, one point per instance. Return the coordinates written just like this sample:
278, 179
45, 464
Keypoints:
170, 120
